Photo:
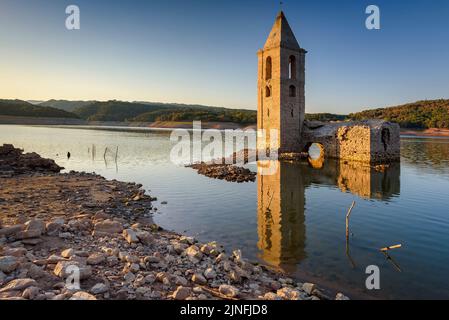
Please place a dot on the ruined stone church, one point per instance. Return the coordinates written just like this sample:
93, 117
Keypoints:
281, 106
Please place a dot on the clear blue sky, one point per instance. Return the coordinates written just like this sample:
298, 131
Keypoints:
198, 51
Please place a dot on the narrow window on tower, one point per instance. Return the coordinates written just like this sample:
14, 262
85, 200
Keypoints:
268, 68
267, 92
292, 67
292, 91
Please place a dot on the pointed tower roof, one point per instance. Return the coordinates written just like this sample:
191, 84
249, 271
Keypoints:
281, 34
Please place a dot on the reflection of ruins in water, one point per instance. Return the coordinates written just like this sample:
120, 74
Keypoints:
281, 202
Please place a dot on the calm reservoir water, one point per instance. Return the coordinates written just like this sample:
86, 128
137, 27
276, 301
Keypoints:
295, 219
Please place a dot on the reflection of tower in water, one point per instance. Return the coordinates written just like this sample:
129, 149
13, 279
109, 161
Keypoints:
281, 202
281, 227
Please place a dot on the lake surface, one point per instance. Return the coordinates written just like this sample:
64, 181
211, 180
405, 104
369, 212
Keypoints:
293, 220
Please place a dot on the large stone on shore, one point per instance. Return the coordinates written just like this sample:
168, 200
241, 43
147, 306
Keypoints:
108, 227
271, 296
235, 277
19, 285
130, 235
35, 224
341, 296
54, 259
308, 288
82, 295
15, 252
33, 229
99, 288
11, 230
287, 293
145, 237
68, 268
96, 258
199, 279
8, 264
193, 252
181, 293
67, 253
210, 273
187, 240
52, 228
228, 291
30, 293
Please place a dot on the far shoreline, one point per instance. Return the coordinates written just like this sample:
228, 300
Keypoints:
75, 123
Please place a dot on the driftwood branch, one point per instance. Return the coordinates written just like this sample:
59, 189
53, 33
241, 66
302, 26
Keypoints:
347, 218
397, 246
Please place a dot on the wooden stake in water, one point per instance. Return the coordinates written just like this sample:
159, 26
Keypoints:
347, 219
397, 246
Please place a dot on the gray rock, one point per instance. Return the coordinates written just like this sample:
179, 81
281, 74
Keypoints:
99, 288
287, 293
19, 285
228, 291
210, 273
193, 252
181, 293
11, 230
52, 228
66, 268
30, 293
96, 258
130, 235
108, 227
82, 295
341, 296
67, 253
181, 281
8, 264
145, 237
129, 277
199, 279
271, 296
187, 240
308, 288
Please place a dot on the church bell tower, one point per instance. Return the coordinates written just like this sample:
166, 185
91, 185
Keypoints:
281, 96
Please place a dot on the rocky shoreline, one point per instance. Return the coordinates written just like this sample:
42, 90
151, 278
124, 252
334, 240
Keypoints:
57, 226
230, 173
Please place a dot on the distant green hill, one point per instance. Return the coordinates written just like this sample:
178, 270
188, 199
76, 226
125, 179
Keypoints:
113, 111
65, 105
19, 108
419, 115
153, 111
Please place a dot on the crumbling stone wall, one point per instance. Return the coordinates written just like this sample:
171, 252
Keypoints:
372, 141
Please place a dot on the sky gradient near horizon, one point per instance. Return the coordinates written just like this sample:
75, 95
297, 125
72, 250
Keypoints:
204, 52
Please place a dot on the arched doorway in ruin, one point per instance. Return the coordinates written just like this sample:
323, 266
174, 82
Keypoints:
316, 152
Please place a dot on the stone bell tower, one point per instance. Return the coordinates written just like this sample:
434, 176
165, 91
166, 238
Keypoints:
281, 97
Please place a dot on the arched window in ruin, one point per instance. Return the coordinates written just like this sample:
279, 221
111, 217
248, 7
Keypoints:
267, 91
268, 67
292, 91
292, 67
